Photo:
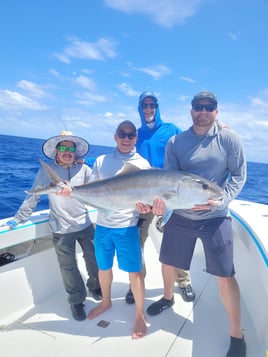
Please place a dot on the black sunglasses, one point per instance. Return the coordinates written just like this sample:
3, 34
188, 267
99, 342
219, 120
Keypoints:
201, 107
150, 105
123, 135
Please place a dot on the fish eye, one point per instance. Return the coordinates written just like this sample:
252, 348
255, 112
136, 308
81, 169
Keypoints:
205, 185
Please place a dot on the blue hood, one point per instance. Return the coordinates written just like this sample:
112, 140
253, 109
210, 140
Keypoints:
151, 142
157, 118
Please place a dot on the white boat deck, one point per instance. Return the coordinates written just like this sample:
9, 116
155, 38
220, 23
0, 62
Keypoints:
38, 321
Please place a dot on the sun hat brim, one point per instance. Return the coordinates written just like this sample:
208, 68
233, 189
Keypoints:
49, 146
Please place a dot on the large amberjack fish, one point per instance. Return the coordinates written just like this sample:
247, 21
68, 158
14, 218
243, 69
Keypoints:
179, 190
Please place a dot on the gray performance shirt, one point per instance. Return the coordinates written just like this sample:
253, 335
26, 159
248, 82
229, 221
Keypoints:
66, 214
217, 156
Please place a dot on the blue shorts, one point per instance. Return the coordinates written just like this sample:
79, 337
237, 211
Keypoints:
179, 238
125, 242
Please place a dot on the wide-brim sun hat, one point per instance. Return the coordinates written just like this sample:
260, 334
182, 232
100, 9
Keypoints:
49, 146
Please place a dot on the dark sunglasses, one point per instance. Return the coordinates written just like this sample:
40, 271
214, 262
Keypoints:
150, 105
123, 135
201, 107
63, 148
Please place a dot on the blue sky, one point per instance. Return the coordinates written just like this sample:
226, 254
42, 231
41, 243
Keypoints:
82, 64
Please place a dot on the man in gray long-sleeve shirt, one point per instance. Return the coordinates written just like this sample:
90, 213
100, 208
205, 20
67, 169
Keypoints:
68, 218
215, 153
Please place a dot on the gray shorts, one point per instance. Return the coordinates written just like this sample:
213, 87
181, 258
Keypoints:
179, 239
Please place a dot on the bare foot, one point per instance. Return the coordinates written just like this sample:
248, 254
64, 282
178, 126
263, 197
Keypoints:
99, 309
140, 328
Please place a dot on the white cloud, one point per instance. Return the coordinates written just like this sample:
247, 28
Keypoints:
187, 79
100, 50
166, 13
108, 115
14, 101
233, 36
87, 71
156, 72
88, 98
85, 82
55, 73
32, 88
127, 90
251, 125
183, 98
260, 101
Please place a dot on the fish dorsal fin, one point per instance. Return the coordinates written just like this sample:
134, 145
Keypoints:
55, 178
128, 168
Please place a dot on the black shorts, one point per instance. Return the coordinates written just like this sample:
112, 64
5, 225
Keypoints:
179, 239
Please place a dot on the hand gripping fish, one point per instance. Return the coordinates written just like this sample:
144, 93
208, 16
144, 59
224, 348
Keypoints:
178, 189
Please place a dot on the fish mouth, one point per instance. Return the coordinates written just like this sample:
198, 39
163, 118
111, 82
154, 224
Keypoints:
217, 194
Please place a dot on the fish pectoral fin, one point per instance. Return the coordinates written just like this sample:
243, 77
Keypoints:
166, 217
169, 195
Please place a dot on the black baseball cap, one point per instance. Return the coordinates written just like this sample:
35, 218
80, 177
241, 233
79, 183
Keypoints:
205, 95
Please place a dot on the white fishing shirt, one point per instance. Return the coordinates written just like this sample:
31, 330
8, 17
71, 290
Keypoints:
110, 165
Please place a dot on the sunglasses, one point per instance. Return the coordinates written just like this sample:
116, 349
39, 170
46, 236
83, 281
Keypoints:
123, 135
150, 105
63, 148
201, 107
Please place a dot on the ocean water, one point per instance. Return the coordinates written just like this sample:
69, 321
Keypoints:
19, 165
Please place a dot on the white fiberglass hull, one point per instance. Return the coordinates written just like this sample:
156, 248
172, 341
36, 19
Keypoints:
35, 319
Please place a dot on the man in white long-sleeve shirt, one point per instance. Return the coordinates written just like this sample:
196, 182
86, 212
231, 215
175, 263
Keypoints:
117, 232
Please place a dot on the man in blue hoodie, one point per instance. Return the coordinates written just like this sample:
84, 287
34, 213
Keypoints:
153, 136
